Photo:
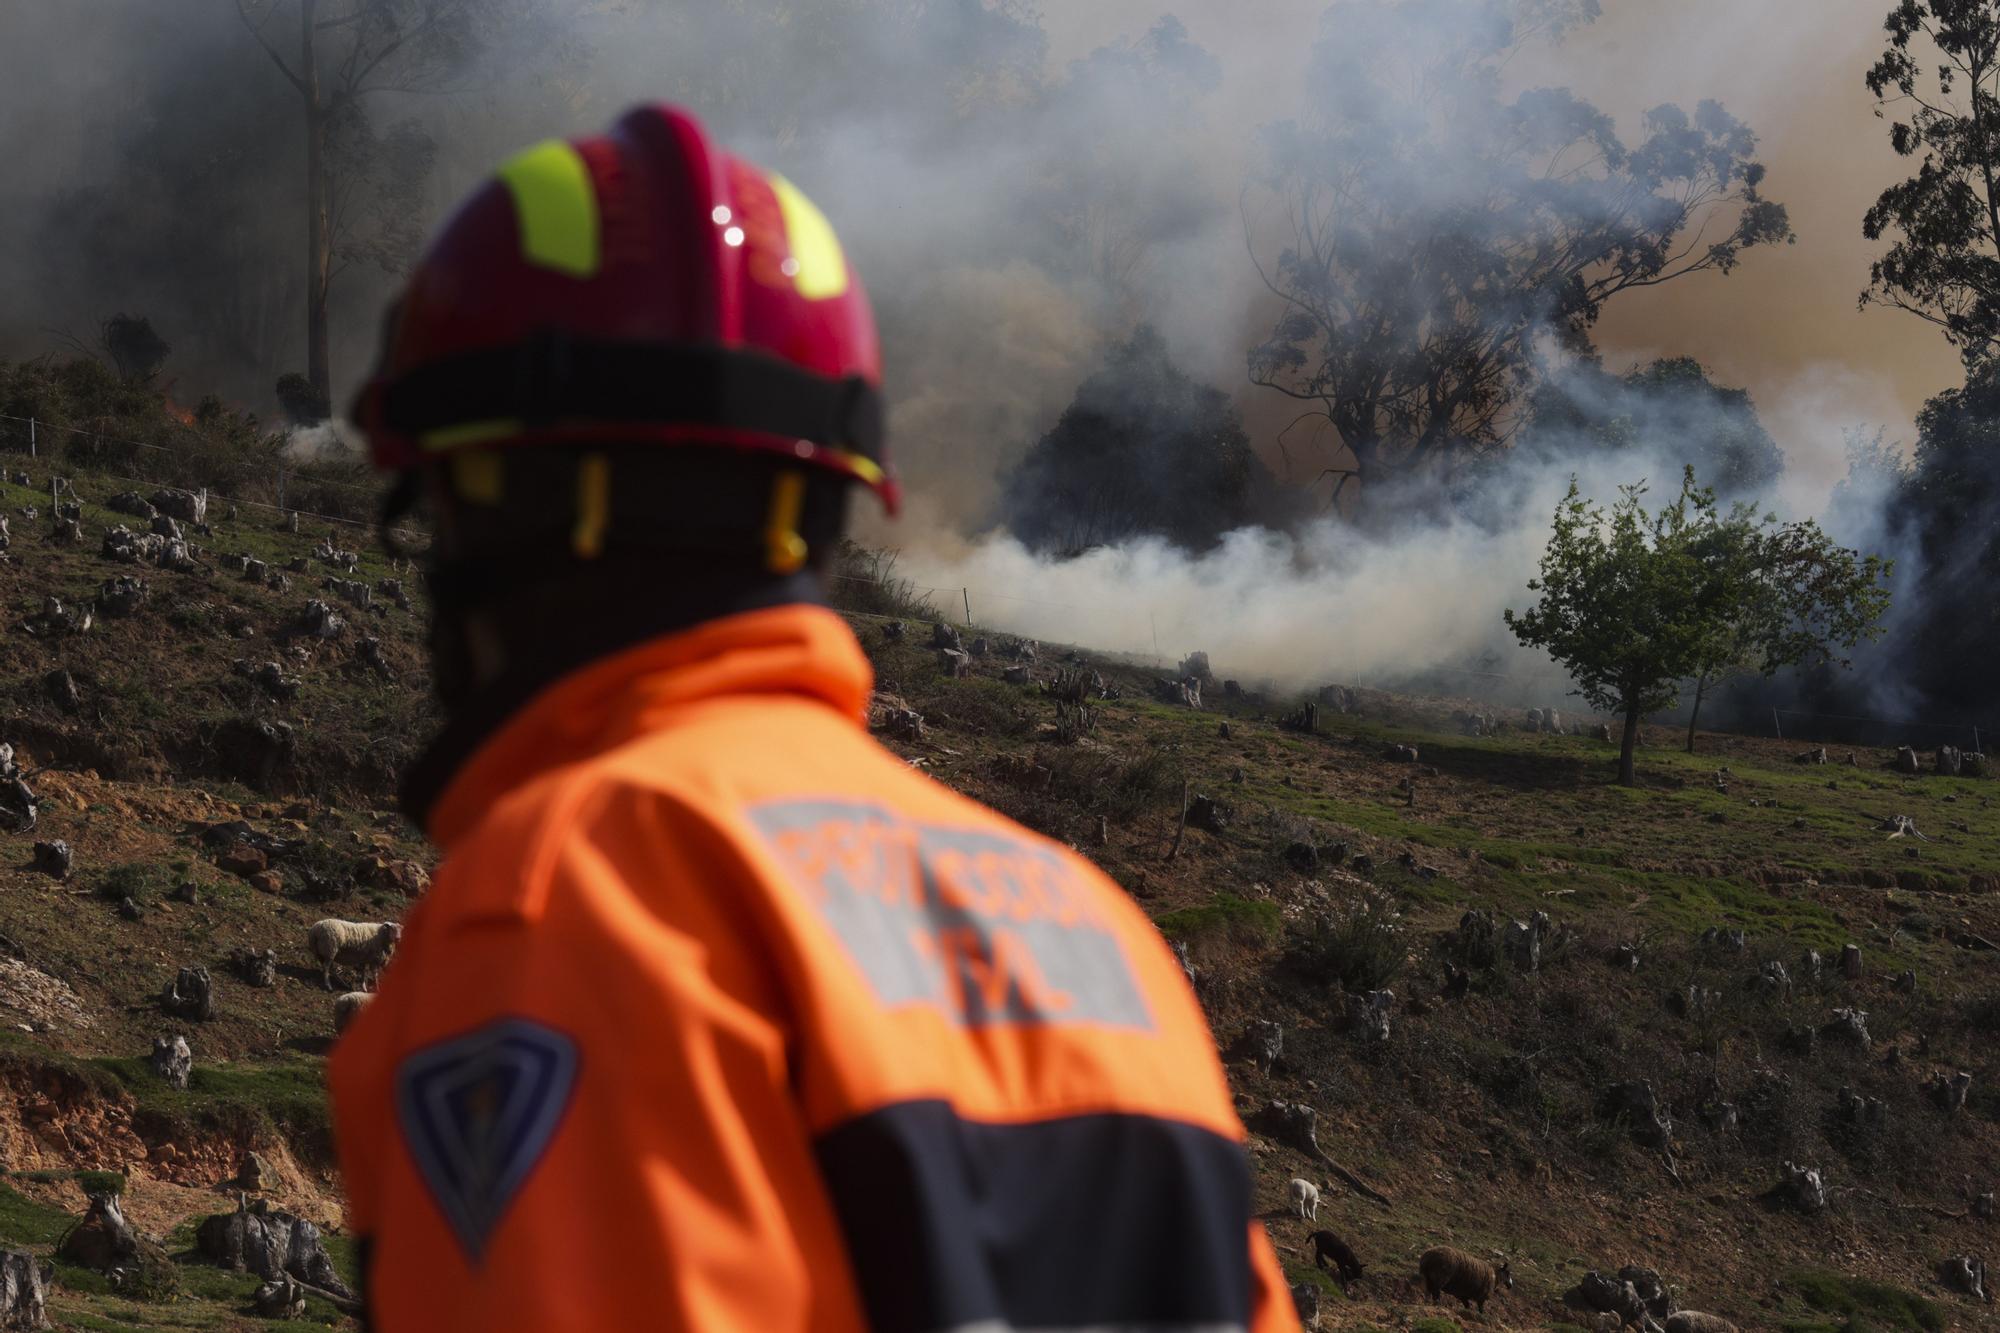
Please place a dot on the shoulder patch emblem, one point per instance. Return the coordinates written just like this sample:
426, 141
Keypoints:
478, 1111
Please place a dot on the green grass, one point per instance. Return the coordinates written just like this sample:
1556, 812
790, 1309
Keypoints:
1866, 1303
1311, 1275
23, 1221
287, 1096
92, 1182
1225, 916
1435, 1324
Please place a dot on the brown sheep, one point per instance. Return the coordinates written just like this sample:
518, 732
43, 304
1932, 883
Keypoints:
1694, 1321
1454, 1272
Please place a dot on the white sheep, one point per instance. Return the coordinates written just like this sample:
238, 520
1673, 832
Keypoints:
363, 944
1305, 1197
347, 1006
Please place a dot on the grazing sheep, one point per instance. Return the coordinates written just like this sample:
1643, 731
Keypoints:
1694, 1321
1325, 1246
347, 1006
363, 944
1454, 1272
1305, 1198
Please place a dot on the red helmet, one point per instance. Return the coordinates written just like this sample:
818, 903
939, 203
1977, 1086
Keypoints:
643, 286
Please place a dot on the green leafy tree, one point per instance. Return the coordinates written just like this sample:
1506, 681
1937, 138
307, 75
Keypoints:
1790, 597
1441, 230
1944, 263
1633, 603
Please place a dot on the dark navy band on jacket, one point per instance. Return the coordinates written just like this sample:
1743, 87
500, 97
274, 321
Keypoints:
1084, 1221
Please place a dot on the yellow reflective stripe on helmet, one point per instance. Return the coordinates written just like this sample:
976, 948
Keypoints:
469, 432
822, 268
865, 468
555, 203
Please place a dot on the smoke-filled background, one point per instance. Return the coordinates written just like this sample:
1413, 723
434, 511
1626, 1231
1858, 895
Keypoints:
1273, 331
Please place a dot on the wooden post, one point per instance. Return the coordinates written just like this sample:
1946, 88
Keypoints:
966, 593
31, 437
1175, 850
1779, 725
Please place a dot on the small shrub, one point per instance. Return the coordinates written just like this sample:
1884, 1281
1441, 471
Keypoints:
101, 1182
865, 582
134, 879
1435, 1324
1358, 949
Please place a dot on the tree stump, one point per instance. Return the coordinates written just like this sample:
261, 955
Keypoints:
190, 997
24, 1291
173, 1061
53, 858
102, 1239
1804, 1187
272, 1244
281, 1298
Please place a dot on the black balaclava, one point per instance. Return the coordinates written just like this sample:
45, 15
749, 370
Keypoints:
529, 581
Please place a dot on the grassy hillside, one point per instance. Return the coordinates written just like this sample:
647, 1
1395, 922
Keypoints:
1482, 1119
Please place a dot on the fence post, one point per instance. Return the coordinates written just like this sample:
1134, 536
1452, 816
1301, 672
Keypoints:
966, 593
281, 487
31, 437
1777, 724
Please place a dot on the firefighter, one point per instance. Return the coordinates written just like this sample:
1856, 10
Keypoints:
717, 1016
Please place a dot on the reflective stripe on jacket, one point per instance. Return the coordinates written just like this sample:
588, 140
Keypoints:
718, 1016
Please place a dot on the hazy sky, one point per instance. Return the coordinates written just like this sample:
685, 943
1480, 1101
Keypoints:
1785, 325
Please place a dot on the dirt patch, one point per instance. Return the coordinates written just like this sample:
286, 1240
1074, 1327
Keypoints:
54, 1121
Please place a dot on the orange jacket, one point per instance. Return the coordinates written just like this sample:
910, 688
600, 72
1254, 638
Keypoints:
718, 1016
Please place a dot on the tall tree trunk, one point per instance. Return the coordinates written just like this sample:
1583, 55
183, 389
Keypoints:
1626, 777
319, 231
1694, 714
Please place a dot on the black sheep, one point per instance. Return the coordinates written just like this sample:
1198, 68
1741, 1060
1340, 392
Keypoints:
1325, 1246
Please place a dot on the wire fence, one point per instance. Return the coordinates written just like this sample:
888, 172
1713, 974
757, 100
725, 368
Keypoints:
246, 478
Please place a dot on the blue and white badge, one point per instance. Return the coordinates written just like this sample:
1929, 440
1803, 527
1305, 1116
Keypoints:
478, 1111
